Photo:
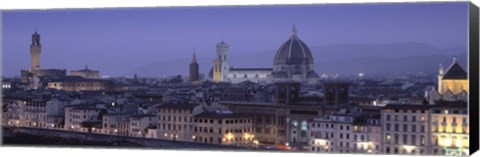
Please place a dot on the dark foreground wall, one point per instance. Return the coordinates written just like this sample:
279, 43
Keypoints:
147, 143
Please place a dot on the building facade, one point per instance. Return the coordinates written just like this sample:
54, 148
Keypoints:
139, 124
175, 120
77, 83
406, 129
78, 117
86, 73
452, 84
223, 127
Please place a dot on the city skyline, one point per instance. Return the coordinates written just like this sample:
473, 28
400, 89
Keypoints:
104, 39
362, 78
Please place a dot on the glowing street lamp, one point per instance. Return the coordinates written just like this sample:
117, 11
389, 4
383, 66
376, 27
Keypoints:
409, 148
229, 136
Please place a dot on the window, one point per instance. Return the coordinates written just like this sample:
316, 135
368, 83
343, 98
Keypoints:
414, 128
388, 126
405, 138
396, 127
414, 118
405, 127
422, 139
405, 118
388, 117
414, 140
395, 138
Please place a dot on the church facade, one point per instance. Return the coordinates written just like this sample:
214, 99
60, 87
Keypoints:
293, 61
452, 84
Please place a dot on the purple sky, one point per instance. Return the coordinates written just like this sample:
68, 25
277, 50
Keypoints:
116, 41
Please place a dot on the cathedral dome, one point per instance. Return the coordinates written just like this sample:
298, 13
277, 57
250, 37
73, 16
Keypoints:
293, 51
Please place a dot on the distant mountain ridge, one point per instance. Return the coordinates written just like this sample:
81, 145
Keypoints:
407, 57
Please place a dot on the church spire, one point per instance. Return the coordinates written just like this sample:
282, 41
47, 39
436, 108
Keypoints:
454, 59
86, 67
294, 31
441, 70
194, 58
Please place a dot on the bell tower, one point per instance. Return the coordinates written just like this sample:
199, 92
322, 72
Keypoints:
194, 76
222, 54
35, 50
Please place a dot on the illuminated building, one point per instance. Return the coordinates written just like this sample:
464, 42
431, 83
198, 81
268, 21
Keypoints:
175, 120
116, 124
405, 129
220, 63
452, 84
35, 50
223, 127
76, 116
285, 120
139, 124
86, 73
347, 131
450, 129
440, 129
292, 61
77, 83
28, 75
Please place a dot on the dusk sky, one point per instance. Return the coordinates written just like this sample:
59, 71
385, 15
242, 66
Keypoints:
116, 41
